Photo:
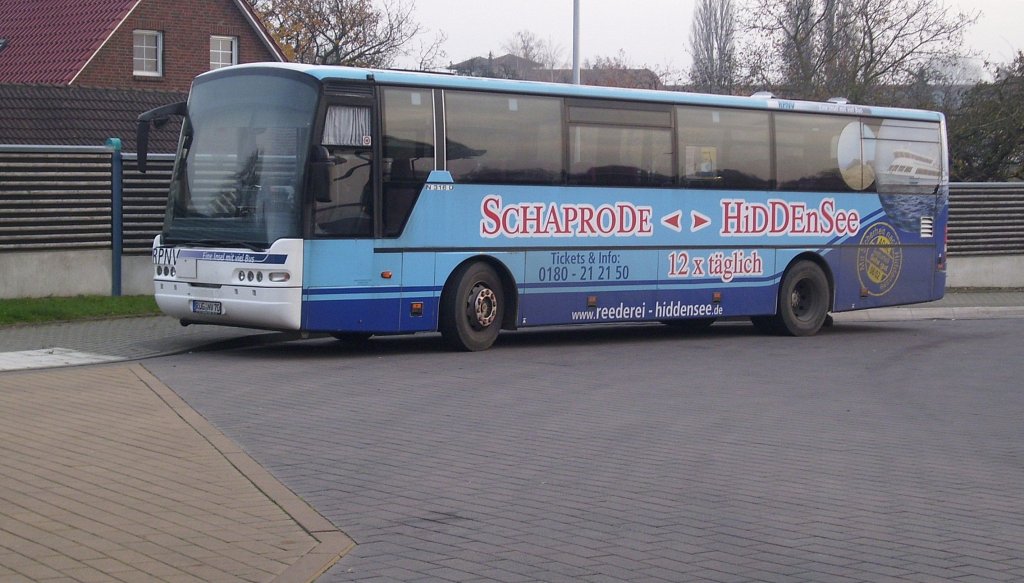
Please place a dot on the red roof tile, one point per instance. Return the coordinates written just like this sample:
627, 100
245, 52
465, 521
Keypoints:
49, 41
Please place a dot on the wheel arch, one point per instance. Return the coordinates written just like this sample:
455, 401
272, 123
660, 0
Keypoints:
508, 283
817, 259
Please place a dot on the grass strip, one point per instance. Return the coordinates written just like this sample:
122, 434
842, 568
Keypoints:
43, 310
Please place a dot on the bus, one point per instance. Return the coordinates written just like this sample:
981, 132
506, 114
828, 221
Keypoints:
357, 202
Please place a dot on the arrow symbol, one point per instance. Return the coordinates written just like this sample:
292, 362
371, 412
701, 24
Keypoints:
674, 221
697, 221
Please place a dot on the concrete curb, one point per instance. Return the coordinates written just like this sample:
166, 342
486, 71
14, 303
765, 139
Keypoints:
333, 543
923, 313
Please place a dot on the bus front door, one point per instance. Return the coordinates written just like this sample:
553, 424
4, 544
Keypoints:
347, 286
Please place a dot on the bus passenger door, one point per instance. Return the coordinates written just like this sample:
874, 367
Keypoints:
349, 287
346, 209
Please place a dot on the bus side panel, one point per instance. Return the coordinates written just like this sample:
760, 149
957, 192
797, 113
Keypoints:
571, 308
601, 285
875, 276
352, 314
736, 243
345, 288
746, 280
890, 263
561, 287
419, 286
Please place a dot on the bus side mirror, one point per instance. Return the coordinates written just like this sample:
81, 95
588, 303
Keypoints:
319, 175
159, 118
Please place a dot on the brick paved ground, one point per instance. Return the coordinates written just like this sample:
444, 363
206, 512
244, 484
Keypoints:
107, 476
873, 452
617, 456
70, 343
113, 339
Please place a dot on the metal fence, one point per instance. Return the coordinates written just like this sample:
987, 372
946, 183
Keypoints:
59, 197
145, 200
986, 218
55, 199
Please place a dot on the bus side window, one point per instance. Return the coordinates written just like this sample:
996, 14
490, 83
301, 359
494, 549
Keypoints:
347, 137
408, 152
723, 148
495, 138
807, 150
613, 144
906, 156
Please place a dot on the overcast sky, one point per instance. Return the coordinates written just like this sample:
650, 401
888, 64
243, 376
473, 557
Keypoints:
651, 32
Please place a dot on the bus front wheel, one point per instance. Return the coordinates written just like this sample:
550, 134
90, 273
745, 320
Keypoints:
472, 307
803, 300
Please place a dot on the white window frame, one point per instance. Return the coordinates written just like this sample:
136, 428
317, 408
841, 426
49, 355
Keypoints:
143, 35
220, 51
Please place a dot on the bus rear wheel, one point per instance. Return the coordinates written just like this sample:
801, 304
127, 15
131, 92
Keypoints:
803, 300
765, 324
472, 307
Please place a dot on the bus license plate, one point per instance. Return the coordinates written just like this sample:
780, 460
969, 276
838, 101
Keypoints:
205, 307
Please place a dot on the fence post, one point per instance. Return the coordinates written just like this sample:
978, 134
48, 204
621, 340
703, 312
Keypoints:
116, 217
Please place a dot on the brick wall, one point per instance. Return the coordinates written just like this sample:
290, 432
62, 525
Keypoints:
187, 26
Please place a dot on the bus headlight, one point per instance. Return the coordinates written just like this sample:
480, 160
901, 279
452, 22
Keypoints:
279, 276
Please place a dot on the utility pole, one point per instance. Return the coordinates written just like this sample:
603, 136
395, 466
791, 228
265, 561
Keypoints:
576, 42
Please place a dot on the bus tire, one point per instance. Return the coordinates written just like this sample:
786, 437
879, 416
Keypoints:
804, 299
765, 324
472, 307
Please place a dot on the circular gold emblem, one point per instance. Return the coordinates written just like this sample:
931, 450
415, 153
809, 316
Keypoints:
879, 259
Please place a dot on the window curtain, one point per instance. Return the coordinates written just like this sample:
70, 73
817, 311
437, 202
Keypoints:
347, 126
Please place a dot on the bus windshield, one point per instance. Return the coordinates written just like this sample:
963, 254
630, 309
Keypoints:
238, 177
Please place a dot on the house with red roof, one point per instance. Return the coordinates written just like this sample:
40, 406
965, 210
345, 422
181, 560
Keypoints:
76, 72
157, 45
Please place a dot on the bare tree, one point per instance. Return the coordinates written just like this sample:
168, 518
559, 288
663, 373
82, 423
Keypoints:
860, 49
525, 45
552, 55
342, 32
618, 71
713, 46
430, 55
531, 49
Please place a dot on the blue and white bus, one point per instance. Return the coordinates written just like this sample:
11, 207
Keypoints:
356, 202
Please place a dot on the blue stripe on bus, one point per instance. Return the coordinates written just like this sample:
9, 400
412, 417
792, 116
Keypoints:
644, 284
235, 256
394, 289
388, 315
374, 315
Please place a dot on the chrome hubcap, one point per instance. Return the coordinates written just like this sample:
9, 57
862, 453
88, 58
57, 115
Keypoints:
483, 306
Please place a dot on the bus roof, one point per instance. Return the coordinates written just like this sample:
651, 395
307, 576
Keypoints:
445, 81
